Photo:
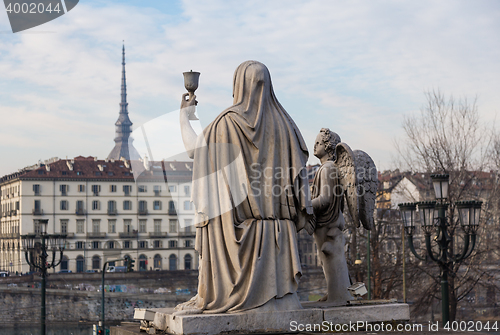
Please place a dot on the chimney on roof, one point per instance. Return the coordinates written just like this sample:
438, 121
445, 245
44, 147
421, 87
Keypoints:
70, 165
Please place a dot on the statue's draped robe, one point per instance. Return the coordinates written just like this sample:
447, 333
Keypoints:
251, 195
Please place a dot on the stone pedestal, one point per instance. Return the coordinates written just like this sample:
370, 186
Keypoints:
307, 319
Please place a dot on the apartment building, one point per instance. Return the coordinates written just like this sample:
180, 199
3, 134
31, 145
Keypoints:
105, 211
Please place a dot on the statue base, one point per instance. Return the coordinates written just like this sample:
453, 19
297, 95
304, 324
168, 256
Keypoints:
311, 318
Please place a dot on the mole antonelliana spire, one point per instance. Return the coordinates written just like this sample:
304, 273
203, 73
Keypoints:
123, 142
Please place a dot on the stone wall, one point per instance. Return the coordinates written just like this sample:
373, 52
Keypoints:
75, 297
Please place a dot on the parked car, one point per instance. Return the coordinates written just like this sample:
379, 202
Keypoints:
91, 271
4, 274
65, 271
111, 268
120, 269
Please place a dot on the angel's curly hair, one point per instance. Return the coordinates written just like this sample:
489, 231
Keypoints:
330, 139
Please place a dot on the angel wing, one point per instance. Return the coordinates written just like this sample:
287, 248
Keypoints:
345, 163
359, 180
367, 184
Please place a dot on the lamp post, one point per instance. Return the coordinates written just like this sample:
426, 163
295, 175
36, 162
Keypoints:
35, 248
469, 212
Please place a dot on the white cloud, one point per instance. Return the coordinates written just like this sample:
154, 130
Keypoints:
352, 66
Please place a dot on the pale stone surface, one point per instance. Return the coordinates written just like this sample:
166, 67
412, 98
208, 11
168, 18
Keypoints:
342, 174
375, 313
251, 196
279, 321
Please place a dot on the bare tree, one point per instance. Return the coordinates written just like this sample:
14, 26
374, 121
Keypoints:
448, 137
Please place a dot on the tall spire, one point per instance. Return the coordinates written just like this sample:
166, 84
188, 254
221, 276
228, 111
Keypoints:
123, 103
123, 141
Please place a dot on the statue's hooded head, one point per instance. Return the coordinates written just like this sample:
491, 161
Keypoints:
253, 91
330, 140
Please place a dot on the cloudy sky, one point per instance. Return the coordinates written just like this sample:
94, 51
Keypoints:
355, 67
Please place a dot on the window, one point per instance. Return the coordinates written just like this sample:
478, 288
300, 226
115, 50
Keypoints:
36, 189
96, 263
96, 189
187, 262
172, 226
143, 206
187, 243
157, 261
127, 225
96, 226
112, 226
142, 188
112, 188
127, 245
80, 226
79, 245
79, 206
157, 205
187, 190
172, 189
36, 227
96, 205
143, 244
81, 188
187, 205
64, 205
157, 223
157, 190
142, 226
40, 171
127, 189
64, 189
157, 244
172, 244
127, 205
96, 245
171, 208
111, 207
111, 245
79, 173
172, 263
188, 223
37, 206
64, 226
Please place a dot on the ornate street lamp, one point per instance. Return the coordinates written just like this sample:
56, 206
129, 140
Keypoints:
469, 213
35, 248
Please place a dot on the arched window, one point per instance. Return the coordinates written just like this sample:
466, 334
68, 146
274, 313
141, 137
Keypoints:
96, 262
172, 262
64, 263
187, 262
80, 263
157, 261
143, 263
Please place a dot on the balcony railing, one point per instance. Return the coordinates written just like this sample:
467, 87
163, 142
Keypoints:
112, 211
187, 233
69, 235
13, 212
143, 211
37, 211
158, 234
9, 235
96, 235
129, 234
80, 211
172, 211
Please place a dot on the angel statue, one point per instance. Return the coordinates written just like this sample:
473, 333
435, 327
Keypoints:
343, 175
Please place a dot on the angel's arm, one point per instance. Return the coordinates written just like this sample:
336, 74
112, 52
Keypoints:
326, 194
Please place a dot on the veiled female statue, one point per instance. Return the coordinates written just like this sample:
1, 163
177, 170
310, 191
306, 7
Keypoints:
343, 175
251, 196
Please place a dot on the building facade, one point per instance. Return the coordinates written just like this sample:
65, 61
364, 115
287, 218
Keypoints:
105, 211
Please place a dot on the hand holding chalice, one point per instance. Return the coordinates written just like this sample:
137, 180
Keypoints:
191, 80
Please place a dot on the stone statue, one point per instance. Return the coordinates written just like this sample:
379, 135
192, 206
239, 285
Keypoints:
343, 175
251, 195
